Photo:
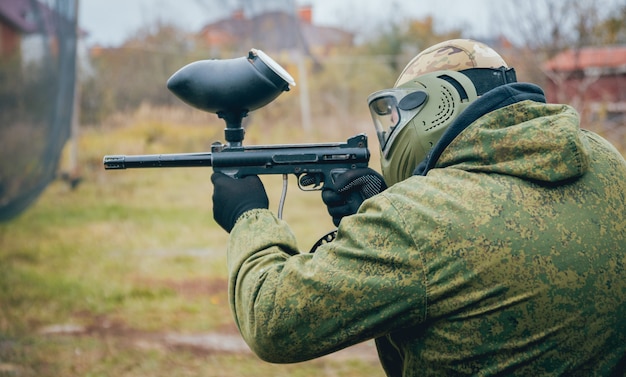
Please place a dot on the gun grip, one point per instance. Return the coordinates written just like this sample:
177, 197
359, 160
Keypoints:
355, 199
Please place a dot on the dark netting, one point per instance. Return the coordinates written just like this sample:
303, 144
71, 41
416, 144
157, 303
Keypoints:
37, 76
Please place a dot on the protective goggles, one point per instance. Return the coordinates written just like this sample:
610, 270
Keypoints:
392, 110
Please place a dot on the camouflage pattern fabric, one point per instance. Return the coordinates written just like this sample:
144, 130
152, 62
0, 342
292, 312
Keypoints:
508, 258
452, 55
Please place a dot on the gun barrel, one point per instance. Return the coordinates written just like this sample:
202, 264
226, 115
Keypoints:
174, 160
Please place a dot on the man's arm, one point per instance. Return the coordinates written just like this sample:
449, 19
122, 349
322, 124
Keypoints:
292, 307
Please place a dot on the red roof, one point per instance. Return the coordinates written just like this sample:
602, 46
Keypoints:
19, 14
588, 57
22, 15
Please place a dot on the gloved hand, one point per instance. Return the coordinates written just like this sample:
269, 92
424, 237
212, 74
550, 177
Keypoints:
232, 197
350, 189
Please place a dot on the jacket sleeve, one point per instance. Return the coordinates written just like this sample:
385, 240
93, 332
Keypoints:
292, 307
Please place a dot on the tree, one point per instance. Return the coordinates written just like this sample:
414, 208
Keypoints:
544, 28
613, 29
406, 39
136, 72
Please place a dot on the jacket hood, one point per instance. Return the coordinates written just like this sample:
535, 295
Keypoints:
528, 139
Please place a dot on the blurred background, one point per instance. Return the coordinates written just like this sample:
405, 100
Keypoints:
123, 272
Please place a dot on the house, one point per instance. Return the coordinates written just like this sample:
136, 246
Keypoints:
592, 79
274, 32
16, 20
32, 30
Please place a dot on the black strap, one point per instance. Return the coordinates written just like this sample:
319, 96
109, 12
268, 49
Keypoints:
485, 79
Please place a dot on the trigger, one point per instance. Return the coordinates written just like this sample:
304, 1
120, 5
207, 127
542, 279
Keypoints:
309, 180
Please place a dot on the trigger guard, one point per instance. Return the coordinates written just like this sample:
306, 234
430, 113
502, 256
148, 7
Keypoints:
314, 186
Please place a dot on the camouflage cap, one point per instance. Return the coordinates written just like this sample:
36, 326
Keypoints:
452, 55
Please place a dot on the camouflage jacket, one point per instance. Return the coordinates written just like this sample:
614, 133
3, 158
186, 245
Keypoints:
506, 258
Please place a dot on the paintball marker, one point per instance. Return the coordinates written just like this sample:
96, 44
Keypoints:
231, 88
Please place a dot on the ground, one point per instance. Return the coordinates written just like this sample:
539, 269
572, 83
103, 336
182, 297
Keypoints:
224, 340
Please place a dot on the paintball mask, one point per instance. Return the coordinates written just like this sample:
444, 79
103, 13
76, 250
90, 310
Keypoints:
431, 92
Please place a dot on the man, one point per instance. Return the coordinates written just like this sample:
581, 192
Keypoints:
499, 247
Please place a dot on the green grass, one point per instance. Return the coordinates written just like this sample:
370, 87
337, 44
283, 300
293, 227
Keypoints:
131, 255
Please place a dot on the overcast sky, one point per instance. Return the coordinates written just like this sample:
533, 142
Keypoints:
110, 22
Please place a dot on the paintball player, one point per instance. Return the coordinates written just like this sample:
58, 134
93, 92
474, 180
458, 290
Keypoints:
496, 244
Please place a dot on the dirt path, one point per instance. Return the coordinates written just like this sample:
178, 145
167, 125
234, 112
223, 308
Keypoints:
203, 343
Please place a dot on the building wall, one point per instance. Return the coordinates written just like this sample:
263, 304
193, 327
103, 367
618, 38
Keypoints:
601, 89
9, 40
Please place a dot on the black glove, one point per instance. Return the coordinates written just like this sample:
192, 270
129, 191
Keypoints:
350, 189
232, 197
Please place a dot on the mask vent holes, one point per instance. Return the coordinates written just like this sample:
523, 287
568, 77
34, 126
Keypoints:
446, 109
